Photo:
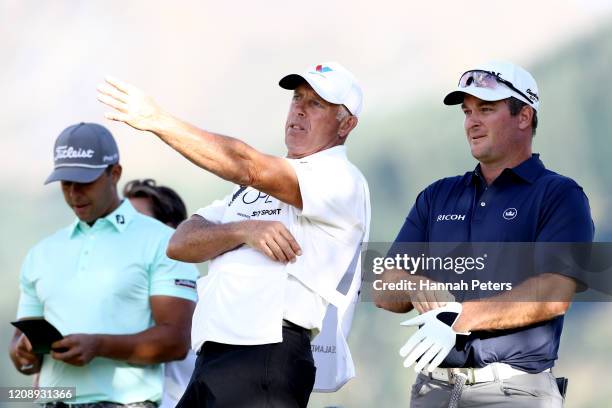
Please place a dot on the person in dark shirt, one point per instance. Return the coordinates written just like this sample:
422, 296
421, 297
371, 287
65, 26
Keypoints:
509, 347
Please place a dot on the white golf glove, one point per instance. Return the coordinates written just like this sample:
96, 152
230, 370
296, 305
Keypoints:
434, 340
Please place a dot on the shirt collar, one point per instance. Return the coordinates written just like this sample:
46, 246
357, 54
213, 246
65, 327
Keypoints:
118, 219
336, 151
474, 176
529, 170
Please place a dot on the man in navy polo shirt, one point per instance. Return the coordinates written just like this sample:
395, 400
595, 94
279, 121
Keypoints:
509, 197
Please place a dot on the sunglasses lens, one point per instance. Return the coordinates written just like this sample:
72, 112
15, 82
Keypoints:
465, 78
480, 79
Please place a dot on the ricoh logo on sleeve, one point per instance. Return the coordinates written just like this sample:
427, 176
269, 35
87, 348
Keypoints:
69, 152
450, 217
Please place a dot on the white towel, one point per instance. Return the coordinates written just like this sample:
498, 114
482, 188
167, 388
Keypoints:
330, 349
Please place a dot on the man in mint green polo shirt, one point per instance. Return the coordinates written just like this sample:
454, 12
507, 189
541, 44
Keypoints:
106, 284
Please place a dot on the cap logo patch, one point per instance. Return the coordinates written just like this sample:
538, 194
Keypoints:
110, 158
532, 95
69, 152
321, 68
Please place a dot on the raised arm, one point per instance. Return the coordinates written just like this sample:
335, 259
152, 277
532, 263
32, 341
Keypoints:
224, 156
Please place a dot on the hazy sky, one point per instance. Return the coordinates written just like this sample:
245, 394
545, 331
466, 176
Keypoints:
217, 63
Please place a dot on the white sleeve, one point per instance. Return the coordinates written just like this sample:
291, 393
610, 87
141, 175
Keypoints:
333, 195
214, 212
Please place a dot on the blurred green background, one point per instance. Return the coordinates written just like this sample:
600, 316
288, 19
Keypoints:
217, 66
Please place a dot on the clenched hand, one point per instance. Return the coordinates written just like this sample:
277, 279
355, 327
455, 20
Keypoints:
23, 358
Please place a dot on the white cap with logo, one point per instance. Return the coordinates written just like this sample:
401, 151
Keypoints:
332, 82
495, 81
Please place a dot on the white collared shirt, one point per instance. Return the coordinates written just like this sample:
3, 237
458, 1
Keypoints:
246, 295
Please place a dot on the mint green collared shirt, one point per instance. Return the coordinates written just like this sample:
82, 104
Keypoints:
99, 279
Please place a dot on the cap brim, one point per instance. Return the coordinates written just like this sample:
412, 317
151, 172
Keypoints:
291, 81
75, 174
456, 97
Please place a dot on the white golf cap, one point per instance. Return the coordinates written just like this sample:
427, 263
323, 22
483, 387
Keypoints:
504, 80
332, 82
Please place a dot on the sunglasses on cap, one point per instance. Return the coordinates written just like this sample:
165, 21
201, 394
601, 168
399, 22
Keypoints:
491, 80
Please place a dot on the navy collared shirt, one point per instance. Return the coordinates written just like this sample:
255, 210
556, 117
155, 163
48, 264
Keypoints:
527, 203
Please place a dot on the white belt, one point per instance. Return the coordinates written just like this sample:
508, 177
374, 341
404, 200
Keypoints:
476, 375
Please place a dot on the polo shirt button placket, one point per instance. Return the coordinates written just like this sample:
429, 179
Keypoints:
85, 256
479, 211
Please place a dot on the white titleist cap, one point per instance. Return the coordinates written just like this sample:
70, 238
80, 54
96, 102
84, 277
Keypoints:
495, 81
332, 82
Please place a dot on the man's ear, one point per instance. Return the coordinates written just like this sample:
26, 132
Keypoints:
347, 125
116, 171
525, 117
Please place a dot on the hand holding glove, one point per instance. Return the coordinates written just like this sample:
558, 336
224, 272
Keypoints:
434, 340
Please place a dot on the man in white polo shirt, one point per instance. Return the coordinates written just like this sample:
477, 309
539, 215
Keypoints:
279, 245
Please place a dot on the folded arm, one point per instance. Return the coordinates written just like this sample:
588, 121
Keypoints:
199, 240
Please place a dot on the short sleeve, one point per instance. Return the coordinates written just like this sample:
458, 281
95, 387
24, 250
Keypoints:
333, 195
567, 217
172, 278
29, 303
215, 211
415, 225
565, 220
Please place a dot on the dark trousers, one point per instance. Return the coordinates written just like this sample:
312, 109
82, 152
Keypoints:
279, 375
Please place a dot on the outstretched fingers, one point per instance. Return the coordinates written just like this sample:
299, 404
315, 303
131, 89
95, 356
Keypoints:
106, 89
116, 83
116, 116
112, 102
